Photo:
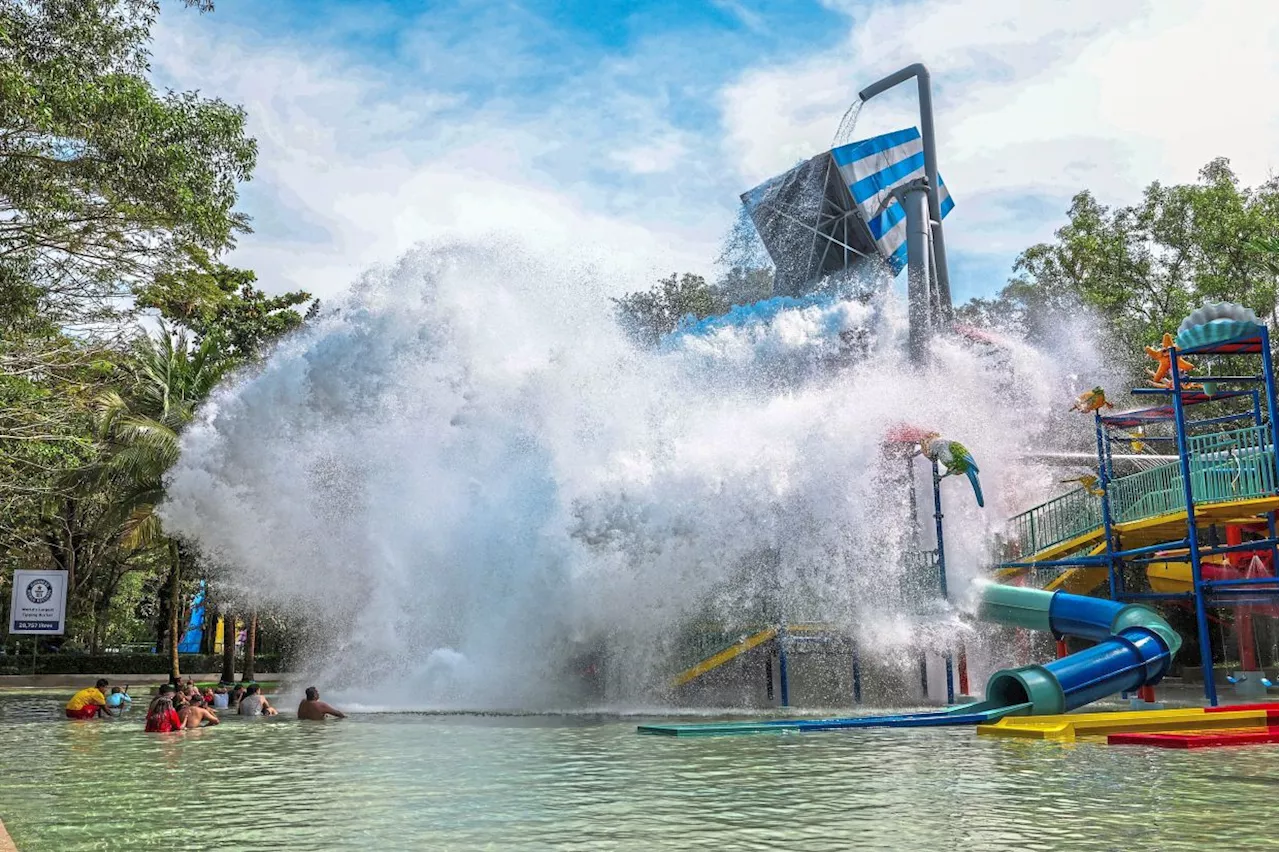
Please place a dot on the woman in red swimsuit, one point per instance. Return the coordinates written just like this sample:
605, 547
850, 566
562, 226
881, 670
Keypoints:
161, 717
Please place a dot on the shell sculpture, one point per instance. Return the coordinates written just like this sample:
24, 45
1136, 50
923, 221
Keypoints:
1216, 323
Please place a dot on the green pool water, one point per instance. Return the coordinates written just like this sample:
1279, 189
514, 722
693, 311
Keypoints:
405, 781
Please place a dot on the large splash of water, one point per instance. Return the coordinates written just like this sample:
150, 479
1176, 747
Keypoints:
465, 476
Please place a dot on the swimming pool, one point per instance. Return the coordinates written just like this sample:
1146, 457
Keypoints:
412, 781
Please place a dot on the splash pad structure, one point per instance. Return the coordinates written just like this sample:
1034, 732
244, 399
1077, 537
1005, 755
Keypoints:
1235, 475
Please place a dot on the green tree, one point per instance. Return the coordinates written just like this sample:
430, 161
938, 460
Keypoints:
140, 431
102, 179
104, 185
213, 299
649, 314
1143, 268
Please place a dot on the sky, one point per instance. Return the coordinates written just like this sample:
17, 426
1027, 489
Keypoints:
620, 134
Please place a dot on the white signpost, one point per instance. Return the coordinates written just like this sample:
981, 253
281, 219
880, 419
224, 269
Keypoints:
39, 603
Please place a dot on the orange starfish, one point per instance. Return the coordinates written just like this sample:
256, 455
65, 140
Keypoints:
1161, 357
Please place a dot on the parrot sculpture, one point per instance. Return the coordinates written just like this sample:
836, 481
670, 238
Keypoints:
1088, 482
1163, 365
954, 458
1091, 401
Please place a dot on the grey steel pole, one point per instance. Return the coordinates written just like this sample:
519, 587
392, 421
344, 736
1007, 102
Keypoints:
930, 167
915, 200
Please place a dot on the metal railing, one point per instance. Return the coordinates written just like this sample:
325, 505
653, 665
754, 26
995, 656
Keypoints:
1230, 466
1225, 467
1156, 491
1061, 519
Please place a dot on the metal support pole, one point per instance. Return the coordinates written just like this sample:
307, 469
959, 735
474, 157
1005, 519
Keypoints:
1269, 381
942, 570
857, 675
1193, 541
919, 311
930, 145
784, 692
1114, 584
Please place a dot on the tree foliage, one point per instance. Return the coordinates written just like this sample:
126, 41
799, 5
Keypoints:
113, 198
102, 179
215, 300
649, 315
1142, 268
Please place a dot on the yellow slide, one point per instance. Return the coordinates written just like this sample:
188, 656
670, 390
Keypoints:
716, 660
1077, 581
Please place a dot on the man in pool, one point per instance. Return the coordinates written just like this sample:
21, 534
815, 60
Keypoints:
195, 714
314, 710
255, 703
89, 703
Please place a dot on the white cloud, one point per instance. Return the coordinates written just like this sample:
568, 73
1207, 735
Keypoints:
662, 155
354, 167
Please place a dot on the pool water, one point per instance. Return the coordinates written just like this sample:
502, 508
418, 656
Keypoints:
412, 781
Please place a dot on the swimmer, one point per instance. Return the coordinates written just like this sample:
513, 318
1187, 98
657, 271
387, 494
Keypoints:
314, 710
161, 717
255, 703
196, 713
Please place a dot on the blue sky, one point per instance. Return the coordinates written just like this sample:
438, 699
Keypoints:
620, 134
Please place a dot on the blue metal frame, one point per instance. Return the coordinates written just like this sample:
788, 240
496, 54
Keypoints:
1114, 580
784, 692
942, 573
1193, 534
1205, 593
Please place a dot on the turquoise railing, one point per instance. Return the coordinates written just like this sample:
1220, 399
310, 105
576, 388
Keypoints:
1059, 520
1156, 491
1230, 466
1225, 467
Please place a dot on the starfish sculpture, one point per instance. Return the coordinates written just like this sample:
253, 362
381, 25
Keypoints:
1160, 376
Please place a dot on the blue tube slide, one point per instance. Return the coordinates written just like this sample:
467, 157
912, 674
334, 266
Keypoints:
1135, 647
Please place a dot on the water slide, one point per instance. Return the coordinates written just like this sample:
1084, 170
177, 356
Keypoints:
1135, 647
719, 659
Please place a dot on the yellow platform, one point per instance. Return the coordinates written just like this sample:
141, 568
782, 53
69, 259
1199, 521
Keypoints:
1143, 532
1073, 726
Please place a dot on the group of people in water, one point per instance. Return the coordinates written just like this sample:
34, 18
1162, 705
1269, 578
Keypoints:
184, 706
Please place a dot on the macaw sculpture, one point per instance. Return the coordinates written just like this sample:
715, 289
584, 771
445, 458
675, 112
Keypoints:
1091, 401
1160, 376
1088, 482
954, 458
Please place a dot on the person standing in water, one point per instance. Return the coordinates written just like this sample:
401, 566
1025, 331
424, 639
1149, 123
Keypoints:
161, 717
119, 699
314, 710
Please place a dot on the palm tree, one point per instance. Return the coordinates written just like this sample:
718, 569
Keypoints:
140, 437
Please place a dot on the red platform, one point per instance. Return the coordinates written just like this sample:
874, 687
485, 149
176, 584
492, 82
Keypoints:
1200, 739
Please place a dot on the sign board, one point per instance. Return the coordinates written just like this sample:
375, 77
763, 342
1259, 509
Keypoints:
39, 602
